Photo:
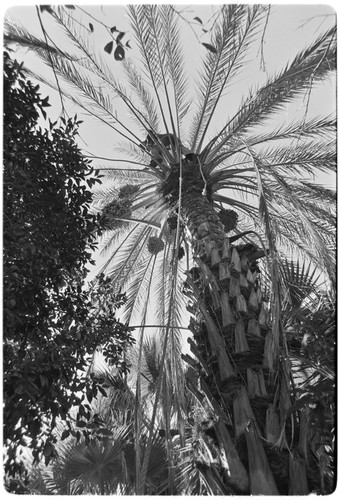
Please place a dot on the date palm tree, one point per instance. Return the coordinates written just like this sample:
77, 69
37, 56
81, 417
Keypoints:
204, 212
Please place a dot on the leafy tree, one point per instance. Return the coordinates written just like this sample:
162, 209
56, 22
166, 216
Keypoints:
52, 321
235, 202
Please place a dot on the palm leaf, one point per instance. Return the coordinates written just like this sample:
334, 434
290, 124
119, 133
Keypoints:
310, 65
305, 159
97, 467
19, 35
312, 128
136, 82
300, 281
317, 192
175, 63
140, 16
315, 128
231, 37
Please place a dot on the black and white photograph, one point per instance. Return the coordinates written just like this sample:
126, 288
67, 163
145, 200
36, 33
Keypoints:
169, 249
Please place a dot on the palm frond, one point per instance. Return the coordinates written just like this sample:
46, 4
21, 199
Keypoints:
288, 197
104, 195
299, 281
77, 71
125, 174
19, 35
175, 63
314, 128
98, 466
170, 312
295, 239
133, 151
146, 99
94, 63
139, 285
140, 16
111, 239
148, 27
125, 238
317, 192
90, 98
304, 159
231, 38
309, 66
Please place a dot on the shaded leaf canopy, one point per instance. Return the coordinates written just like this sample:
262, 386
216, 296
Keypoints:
50, 323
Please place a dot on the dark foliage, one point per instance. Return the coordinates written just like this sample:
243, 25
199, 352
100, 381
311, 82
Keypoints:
52, 321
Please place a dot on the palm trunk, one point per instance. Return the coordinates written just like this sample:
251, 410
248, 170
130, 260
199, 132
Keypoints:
248, 399
202, 220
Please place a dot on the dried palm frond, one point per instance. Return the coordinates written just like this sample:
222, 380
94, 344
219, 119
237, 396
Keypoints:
237, 472
272, 431
303, 433
311, 128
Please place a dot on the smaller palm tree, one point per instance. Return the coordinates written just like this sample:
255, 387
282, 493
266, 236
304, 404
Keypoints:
309, 319
104, 463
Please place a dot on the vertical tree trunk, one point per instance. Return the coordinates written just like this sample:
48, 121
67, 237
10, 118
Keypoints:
229, 332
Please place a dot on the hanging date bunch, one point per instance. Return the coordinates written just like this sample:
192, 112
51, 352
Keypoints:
119, 208
115, 210
155, 245
229, 218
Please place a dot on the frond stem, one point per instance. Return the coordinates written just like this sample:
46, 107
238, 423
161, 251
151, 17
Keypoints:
63, 111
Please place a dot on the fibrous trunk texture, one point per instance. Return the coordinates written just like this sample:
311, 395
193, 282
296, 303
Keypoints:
231, 324
202, 221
